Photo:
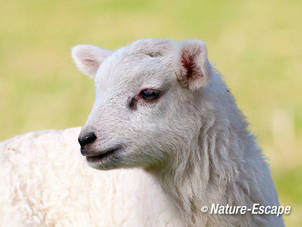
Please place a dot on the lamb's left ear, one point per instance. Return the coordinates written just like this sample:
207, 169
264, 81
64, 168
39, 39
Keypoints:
88, 58
194, 65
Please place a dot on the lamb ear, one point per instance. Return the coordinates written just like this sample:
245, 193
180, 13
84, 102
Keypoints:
194, 65
88, 58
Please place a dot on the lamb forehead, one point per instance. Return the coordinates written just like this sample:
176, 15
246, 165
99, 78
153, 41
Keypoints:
148, 59
149, 46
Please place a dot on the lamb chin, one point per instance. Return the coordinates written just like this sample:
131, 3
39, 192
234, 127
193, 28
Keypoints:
110, 162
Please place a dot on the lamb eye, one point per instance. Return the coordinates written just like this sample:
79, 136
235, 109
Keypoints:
149, 94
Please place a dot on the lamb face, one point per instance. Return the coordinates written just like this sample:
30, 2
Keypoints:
145, 107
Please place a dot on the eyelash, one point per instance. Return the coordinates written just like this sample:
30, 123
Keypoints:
149, 94
142, 95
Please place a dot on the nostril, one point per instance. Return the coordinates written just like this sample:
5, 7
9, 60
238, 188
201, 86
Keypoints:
87, 139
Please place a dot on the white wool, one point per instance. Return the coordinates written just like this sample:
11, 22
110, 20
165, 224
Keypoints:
189, 148
46, 182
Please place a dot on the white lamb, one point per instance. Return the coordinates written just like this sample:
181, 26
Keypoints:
163, 118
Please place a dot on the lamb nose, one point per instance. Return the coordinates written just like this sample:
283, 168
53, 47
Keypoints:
87, 139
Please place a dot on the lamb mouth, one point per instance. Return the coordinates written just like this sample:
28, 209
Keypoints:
104, 154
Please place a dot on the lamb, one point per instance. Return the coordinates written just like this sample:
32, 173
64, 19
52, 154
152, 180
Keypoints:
168, 129
46, 182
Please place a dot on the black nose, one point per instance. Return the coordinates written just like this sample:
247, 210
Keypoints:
86, 139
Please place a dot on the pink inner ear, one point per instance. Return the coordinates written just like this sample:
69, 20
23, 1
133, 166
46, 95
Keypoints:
193, 71
91, 62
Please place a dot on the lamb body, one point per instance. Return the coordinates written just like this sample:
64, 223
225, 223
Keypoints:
190, 144
46, 182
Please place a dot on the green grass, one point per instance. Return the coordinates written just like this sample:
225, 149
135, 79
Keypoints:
255, 44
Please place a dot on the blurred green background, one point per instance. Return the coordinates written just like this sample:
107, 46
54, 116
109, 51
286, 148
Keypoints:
257, 45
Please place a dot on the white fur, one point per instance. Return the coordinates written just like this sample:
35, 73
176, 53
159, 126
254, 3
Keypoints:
46, 182
191, 146
88, 58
